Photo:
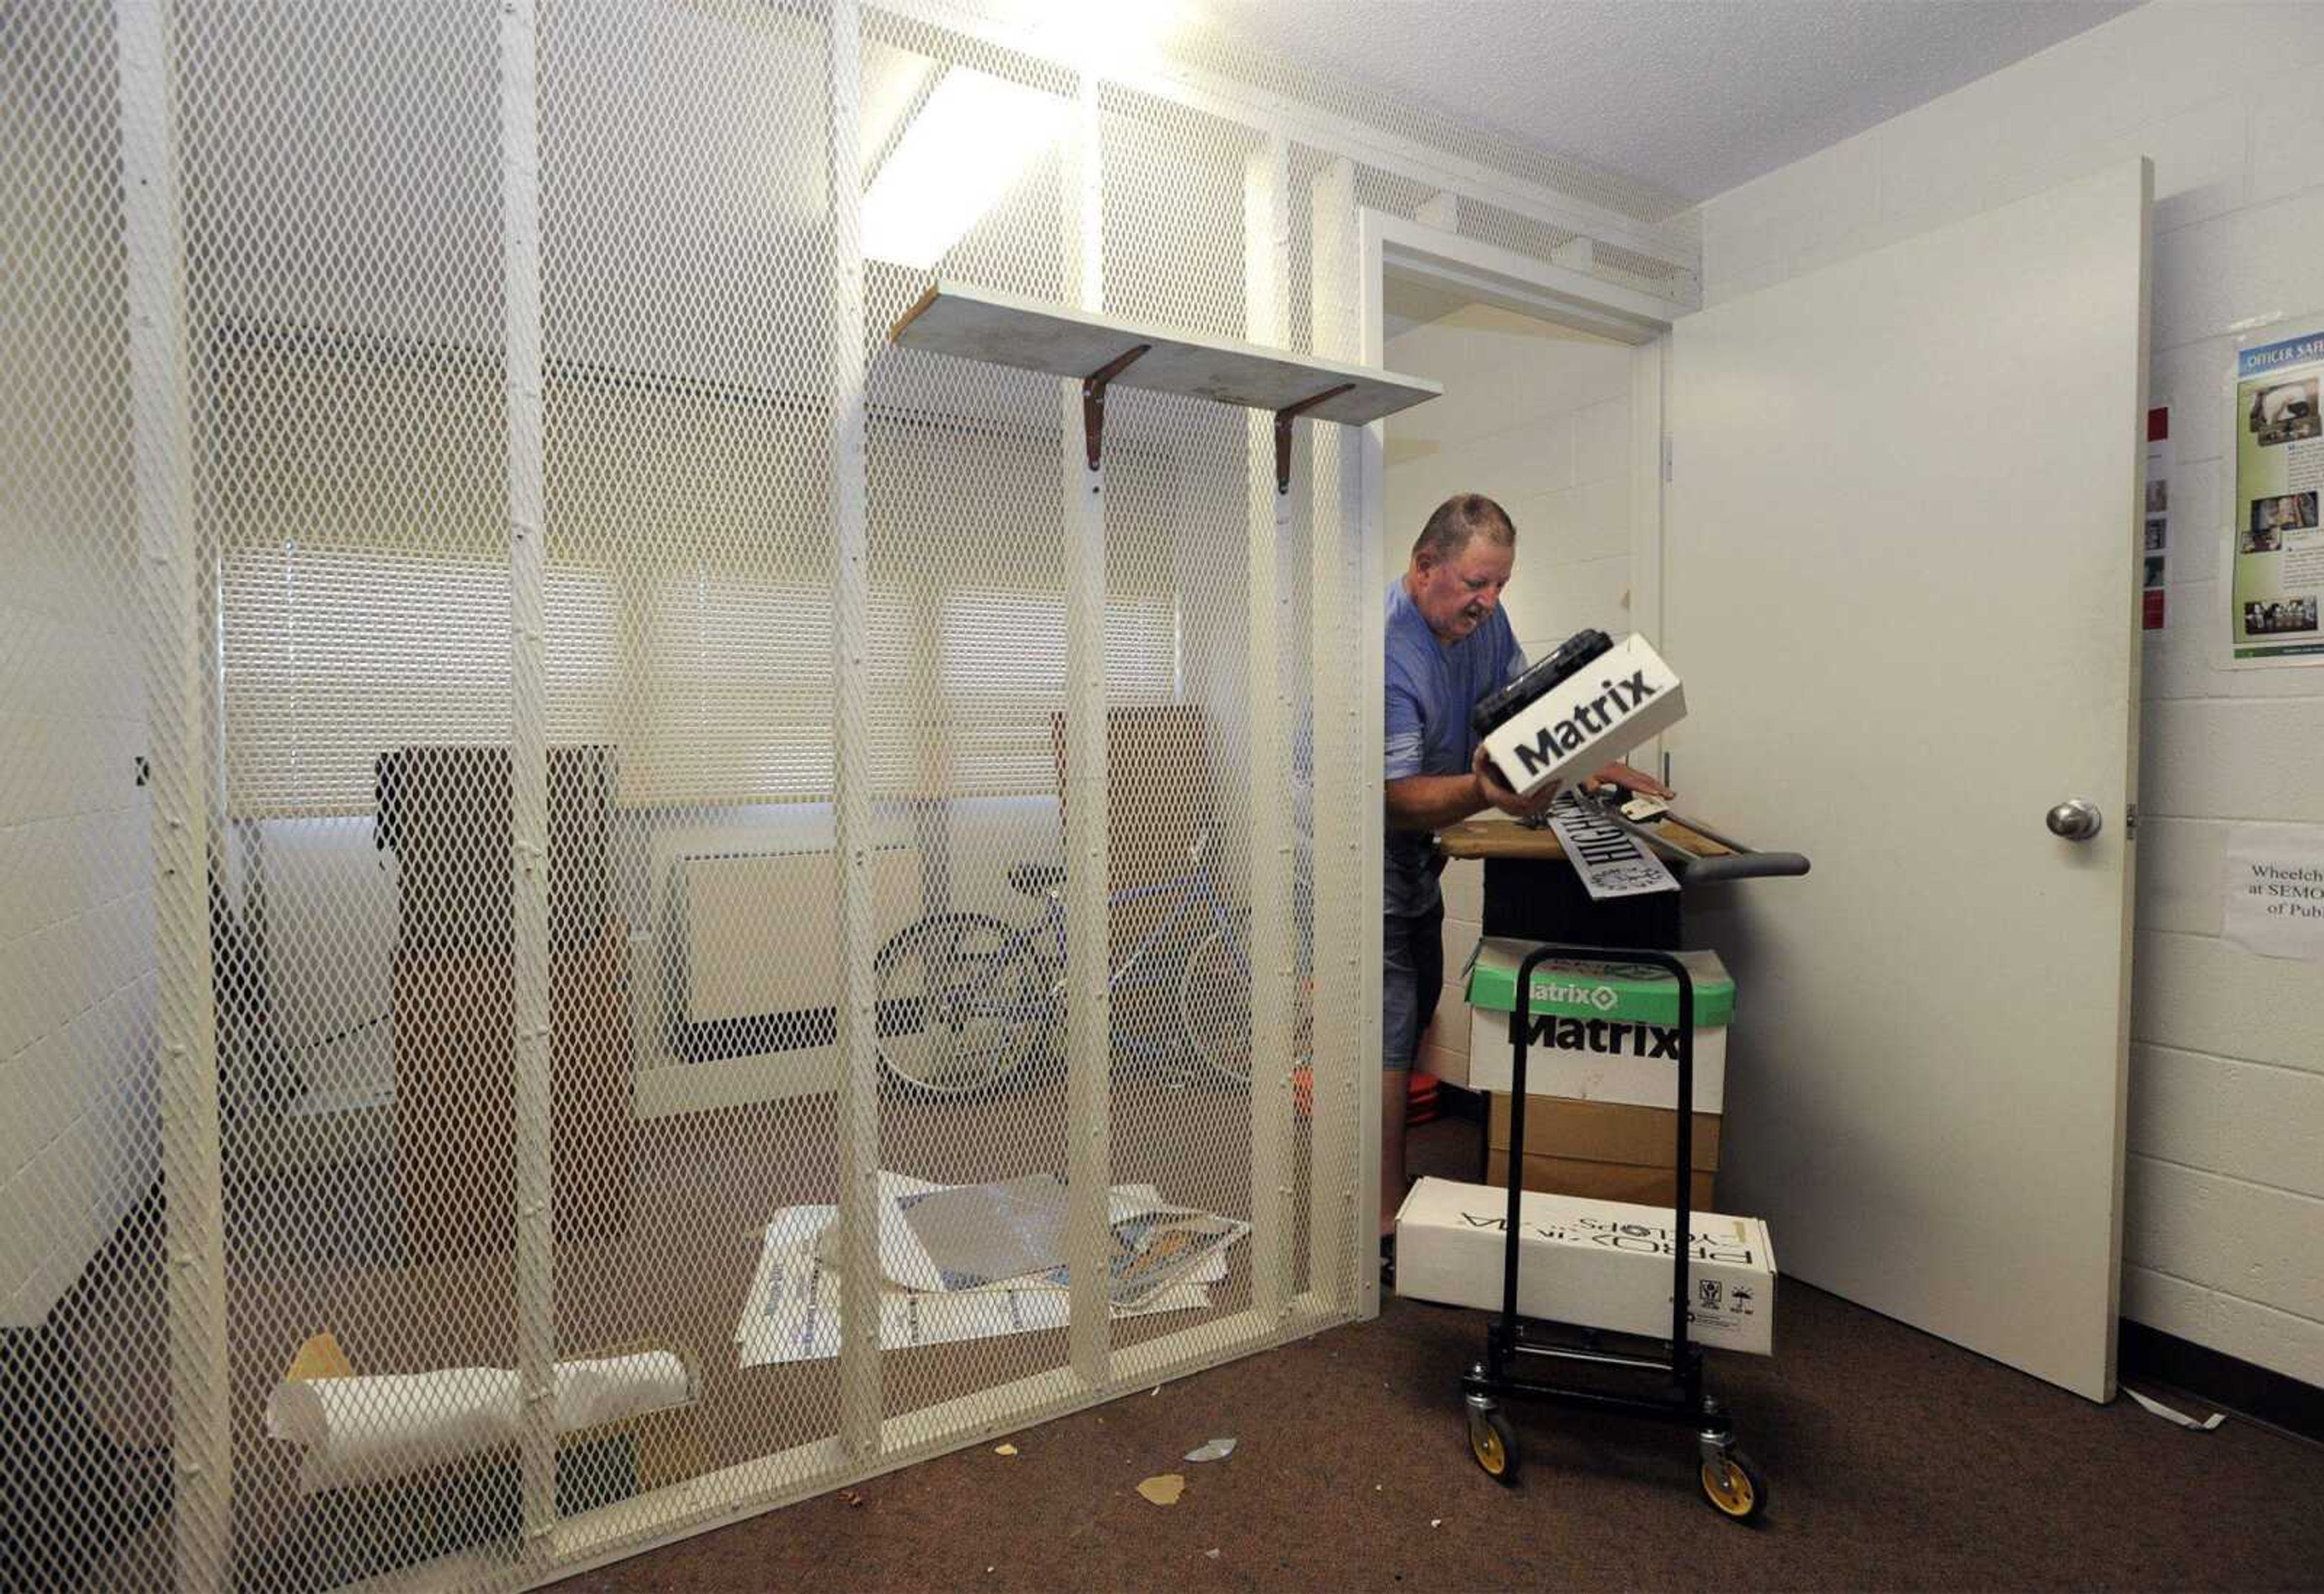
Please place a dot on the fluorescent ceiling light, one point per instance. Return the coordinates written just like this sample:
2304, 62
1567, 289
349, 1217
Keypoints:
967, 147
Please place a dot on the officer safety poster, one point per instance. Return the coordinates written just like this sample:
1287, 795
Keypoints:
2276, 561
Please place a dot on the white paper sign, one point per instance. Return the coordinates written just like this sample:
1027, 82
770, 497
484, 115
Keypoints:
1610, 861
2276, 890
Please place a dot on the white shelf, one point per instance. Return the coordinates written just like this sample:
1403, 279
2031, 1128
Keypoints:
1004, 329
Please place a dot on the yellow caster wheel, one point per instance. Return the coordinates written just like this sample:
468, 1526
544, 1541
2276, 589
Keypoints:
1494, 1444
1734, 1485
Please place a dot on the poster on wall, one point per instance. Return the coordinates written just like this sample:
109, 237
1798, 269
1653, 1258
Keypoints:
2275, 544
2156, 522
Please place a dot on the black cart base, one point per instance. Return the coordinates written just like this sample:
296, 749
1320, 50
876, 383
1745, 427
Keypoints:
1574, 1366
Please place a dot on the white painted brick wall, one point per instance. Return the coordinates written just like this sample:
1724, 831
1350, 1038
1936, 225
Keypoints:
77, 1145
78, 1127
1538, 418
2225, 1218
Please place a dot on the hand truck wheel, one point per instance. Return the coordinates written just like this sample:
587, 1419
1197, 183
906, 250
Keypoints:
1734, 1485
1493, 1443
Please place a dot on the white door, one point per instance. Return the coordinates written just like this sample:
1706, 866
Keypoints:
1901, 585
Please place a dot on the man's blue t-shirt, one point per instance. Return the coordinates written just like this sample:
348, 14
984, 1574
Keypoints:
1431, 688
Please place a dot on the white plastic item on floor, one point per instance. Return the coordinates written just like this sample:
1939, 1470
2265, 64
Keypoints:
368, 1429
1602, 1264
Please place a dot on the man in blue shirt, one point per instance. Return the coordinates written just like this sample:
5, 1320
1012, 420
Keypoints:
1449, 645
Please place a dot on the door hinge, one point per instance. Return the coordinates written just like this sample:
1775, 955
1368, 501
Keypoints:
1666, 457
2130, 818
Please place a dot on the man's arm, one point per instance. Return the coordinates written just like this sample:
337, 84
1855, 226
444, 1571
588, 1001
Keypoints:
1432, 801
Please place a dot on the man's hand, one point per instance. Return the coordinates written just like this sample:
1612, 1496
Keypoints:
1489, 787
1629, 780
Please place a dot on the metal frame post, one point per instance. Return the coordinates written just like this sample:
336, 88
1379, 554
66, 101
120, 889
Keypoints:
1089, 1087
185, 1016
860, 1362
1336, 637
536, 1243
1275, 511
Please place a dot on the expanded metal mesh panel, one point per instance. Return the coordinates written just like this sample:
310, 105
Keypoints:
1177, 244
688, 344
455, 657
966, 522
341, 239
84, 1394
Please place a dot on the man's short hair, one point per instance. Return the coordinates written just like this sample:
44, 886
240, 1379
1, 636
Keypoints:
1461, 517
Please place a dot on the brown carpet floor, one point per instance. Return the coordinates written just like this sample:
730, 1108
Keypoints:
1894, 1461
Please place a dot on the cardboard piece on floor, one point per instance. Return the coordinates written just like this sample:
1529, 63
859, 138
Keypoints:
1602, 1264
320, 1357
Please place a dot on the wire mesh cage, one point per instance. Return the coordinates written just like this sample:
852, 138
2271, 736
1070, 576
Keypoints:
626, 900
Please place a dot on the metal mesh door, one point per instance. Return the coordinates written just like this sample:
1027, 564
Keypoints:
623, 902
341, 230
84, 1326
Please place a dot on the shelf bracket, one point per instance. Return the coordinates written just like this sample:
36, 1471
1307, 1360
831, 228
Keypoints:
1284, 418
1094, 388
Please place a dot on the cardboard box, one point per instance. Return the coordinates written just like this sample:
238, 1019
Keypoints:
1602, 1030
1603, 1265
1645, 1184
1602, 1131
1588, 719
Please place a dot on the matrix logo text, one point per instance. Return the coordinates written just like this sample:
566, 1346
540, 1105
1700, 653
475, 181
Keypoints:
1600, 996
1564, 735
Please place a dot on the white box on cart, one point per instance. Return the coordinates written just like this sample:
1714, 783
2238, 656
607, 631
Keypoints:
1603, 1265
1588, 719
1601, 1028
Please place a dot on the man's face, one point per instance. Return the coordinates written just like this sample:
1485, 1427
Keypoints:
1457, 595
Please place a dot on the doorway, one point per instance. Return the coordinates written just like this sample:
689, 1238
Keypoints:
1554, 407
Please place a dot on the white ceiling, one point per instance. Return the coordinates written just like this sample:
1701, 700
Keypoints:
1689, 97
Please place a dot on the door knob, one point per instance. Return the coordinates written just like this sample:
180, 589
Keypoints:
2076, 820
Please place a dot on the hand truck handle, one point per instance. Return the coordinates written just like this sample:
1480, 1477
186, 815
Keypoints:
1520, 1029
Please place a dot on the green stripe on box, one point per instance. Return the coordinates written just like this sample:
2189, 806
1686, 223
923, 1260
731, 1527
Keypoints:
1599, 988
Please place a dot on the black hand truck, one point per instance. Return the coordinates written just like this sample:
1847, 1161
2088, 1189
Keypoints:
1667, 1383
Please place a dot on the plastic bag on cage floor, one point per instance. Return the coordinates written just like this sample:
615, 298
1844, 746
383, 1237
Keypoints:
965, 1236
1154, 1249
977, 1233
791, 1311
953, 1238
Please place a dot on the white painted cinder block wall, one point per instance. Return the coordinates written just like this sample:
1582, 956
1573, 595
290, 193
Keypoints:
2224, 1223
1538, 418
79, 1137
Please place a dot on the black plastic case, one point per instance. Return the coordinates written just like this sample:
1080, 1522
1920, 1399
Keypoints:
1568, 657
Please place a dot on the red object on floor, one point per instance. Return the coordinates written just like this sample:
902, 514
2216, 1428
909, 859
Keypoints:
1420, 1098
